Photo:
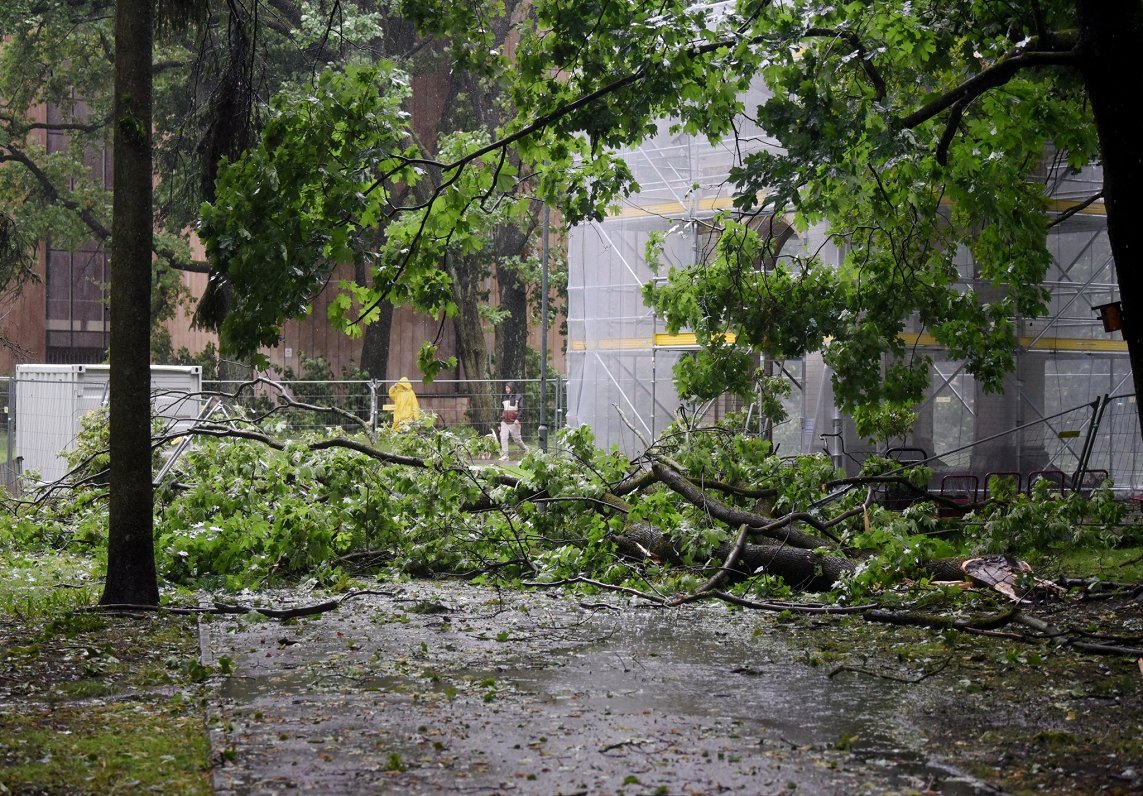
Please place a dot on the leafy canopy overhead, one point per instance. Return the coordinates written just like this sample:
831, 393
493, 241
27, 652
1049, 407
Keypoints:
211, 81
908, 130
322, 173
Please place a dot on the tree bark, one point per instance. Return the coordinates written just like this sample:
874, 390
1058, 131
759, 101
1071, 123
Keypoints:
801, 569
131, 576
375, 340
1111, 40
512, 334
778, 530
375, 344
471, 349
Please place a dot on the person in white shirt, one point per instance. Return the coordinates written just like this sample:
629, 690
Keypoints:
512, 407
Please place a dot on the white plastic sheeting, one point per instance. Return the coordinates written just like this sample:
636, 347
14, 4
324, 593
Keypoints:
620, 364
619, 358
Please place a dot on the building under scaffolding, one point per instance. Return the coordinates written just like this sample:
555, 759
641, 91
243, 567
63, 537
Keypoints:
1051, 419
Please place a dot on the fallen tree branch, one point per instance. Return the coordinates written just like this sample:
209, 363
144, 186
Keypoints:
797, 608
917, 619
807, 570
924, 675
727, 565
1106, 649
652, 598
775, 529
228, 608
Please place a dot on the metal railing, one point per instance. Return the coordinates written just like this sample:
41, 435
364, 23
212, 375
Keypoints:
9, 464
452, 403
1077, 447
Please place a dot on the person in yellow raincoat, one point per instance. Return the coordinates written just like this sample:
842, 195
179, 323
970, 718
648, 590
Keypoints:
403, 403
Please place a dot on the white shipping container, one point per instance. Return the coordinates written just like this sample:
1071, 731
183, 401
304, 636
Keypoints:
51, 401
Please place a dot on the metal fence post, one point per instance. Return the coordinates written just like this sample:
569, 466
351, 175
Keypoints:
1098, 408
10, 437
559, 423
373, 385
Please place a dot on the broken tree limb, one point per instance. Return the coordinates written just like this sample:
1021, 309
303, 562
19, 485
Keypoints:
925, 674
280, 613
775, 529
720, 575
1108, 649
640, 479
797, 608
721, 486
728, 562
651, 598
229, 608
801, 569
944, 569
641, 540
917, 619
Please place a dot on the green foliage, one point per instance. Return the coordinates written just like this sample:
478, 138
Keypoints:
325, 168
248, 517
1034, 525
16, 261
207, 359
918, 475
896, 546
238, 514
903, 192
909, 197
89, 456
30, 582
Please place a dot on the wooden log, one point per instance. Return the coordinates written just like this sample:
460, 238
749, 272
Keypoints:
801, 569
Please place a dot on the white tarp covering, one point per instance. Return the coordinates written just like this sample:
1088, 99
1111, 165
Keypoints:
620, 362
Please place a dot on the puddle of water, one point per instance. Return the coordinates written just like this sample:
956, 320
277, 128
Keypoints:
557, 699
679, 666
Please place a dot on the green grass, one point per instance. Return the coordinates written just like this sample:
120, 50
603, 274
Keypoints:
1120, 564
94, 703
46, 584
104, 748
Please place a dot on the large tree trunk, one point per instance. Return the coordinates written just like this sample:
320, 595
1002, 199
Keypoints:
131, 576
512, 333
471, 349
1111, 33
375, 342
805, 570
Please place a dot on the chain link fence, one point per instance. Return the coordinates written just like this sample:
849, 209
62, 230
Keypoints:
366, 404
300, 407
1074, 449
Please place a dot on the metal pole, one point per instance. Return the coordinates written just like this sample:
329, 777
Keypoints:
1089, 443
373, 385
542, 432
559, 415
9, 430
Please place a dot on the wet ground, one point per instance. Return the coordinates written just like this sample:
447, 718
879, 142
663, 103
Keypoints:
449, 688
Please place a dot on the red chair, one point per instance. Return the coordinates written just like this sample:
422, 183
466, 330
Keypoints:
988, 479
1057, 477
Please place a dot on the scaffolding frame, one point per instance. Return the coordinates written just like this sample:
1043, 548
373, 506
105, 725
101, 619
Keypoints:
618, 354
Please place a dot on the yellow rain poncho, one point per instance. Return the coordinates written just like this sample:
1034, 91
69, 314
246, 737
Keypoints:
404, 403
